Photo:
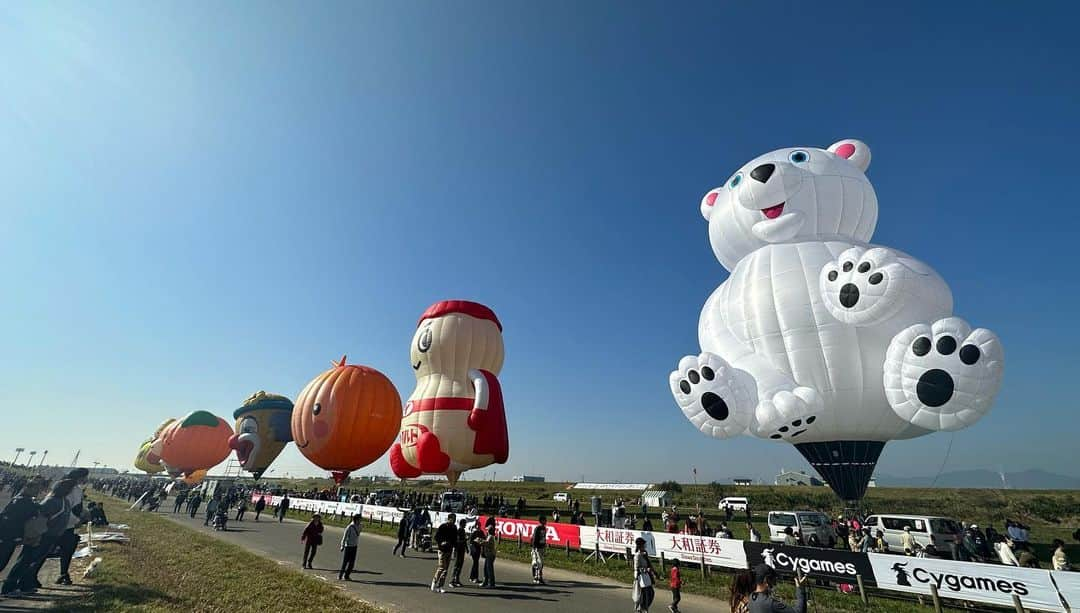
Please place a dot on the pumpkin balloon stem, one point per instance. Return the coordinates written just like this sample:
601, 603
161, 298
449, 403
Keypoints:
339, 364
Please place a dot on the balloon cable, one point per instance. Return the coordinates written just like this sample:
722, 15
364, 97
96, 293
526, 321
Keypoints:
945, 461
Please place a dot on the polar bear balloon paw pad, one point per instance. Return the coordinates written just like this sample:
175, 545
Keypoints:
864, 286
711, 395
943, 376
789, 414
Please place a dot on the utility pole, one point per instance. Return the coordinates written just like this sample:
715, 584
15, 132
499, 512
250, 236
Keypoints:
18, 452
75, 460
43, 455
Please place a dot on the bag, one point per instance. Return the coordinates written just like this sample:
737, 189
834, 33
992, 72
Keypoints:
34, 529
645, 579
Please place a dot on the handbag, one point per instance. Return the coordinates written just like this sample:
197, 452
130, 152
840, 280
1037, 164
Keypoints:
645, 579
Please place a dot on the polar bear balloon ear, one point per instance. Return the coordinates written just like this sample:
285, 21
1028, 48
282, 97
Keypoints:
854, 151
708, 203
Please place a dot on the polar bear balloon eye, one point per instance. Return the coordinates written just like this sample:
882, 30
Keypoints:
737, 179
799, 157
424, 342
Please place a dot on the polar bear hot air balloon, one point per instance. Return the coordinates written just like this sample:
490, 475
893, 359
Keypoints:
346, 418
818, 338
454, 420
263, 429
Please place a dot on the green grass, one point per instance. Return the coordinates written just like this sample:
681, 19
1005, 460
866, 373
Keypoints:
168, 567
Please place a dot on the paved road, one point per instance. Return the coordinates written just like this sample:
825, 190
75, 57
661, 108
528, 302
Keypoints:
404, 585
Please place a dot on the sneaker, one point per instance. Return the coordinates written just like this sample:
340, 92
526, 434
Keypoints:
441, 591
433, 586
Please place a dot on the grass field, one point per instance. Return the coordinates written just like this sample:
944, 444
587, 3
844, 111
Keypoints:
167, 567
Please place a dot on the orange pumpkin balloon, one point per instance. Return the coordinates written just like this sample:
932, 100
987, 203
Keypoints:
346, 418
197, 442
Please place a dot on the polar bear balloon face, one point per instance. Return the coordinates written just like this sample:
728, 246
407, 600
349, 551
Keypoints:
788, 195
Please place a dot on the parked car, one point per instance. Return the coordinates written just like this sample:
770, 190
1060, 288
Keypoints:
451, 502
561, 497
923, 527
735, 503
814, 526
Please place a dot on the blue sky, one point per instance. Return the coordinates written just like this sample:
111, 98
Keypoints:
202, 199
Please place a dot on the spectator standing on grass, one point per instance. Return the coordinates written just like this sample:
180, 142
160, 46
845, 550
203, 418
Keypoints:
539, 546
789, 537
311, 538
69, 541
762, 600
488, 548
55, 509
644, 578
260, 506
460, 546
445, 539
675, 583
14, 517
349, 542
1060, 561
647, 524
283, 508
404, 528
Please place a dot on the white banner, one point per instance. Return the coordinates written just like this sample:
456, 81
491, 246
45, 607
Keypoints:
713, 551
1068, 583
972, 581
611, 486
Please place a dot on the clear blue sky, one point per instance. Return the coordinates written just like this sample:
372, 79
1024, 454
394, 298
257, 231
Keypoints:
204, 199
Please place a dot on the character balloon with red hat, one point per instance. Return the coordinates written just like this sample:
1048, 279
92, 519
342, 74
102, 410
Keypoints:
454, 420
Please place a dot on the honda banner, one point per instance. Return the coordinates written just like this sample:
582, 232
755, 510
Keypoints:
835, 564
558, 535
989, 583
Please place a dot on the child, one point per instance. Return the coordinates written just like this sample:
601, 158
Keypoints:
676, 586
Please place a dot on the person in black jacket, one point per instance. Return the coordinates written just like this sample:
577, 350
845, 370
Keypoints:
539, 546
14, 517
762, 600
459, 553
55, 508
404, 529
445, 540
475, 540
260, 506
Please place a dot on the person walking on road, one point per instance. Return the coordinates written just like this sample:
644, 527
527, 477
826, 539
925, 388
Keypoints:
311, 538
211, 509
476, 544
241, 509
445, 539
460, 546
69, 541
644, 578
194, 503
404, 529
539, 546
283, 508
349, 542
14, 518
488, 549
762, 600
260, 506
179, 502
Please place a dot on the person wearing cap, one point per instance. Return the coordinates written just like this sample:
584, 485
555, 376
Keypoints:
763, 601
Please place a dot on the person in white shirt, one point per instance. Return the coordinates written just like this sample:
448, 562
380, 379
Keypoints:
1005, 553
349, 542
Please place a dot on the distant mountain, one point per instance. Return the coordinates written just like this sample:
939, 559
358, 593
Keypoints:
1024, 480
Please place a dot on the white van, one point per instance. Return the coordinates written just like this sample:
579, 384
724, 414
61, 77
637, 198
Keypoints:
923, 527
561, 497
735, 503
812, 525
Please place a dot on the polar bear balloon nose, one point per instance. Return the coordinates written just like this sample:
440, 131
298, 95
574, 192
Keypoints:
762, 173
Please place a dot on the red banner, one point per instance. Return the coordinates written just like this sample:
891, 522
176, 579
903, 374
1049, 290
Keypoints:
558, 535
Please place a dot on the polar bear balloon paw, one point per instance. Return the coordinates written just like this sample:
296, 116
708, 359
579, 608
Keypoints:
714, 396
943, 376
789, 414
864, 286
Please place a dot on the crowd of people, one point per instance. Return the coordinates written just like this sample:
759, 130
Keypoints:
40, 521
